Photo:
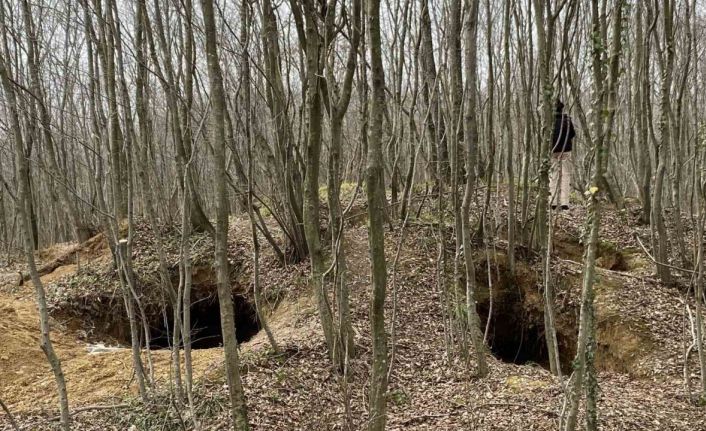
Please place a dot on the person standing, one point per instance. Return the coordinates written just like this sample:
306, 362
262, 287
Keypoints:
562, 139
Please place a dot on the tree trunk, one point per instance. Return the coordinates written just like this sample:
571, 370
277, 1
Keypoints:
509, 140
245, 41
605, 102
657, 218
239, 413
125, 281
375, 189
312, 225
642, 99
22, 168
471, 135
545, 25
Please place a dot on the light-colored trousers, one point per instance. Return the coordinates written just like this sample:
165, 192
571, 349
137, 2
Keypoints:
560, 178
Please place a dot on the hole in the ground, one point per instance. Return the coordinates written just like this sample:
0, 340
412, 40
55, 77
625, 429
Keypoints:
206, 324
516, 335
513, 337
516, 332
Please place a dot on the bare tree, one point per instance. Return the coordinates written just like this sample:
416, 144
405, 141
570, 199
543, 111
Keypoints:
22, 205
218, 103
338, 101
508, 137
606, 75
245, 14
471, 136
666, 62
375, 189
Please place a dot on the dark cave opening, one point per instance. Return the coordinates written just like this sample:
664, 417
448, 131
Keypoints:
516, 333
512, 339
206, 323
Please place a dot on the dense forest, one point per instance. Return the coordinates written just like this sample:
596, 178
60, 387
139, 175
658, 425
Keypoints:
352, 214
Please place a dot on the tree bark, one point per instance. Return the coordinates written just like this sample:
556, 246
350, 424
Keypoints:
239, 412
545, 24
245, 41
22, 168
338, 107
375, 189
312, 44
509, 139
657, 217
471, 136
605, 102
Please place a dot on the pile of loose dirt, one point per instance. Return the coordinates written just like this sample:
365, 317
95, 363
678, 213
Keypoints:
27, 385
89, 290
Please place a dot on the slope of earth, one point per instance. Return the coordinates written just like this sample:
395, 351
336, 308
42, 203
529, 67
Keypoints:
98, 368
95, 373
640, 337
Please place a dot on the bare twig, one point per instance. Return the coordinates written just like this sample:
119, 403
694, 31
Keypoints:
9, 415
688, 271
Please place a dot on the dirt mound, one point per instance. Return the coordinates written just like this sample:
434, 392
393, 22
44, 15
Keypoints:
87, 311
102, 375
65, 254
516, 331
639, 332
27, 384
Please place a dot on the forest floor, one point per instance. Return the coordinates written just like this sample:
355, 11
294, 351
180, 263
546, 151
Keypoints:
642, 336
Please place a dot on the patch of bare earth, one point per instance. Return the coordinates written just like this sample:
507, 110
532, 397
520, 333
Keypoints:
640, 340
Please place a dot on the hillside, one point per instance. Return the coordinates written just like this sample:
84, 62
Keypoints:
640, 327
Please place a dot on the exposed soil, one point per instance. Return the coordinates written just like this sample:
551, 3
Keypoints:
640, 338
104, 377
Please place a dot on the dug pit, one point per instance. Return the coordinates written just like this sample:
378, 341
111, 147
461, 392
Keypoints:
206, 330
516, 333
102, 319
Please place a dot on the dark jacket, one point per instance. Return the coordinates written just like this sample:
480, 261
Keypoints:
563, 133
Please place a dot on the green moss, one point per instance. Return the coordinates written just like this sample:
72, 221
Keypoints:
458, 401
605, 246
346, 192
399, 397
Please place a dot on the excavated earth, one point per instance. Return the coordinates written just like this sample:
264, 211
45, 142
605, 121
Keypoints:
641, 325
